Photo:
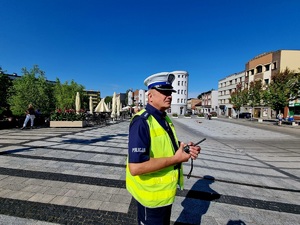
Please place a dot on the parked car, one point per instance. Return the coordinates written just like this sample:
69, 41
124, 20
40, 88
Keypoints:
244, 115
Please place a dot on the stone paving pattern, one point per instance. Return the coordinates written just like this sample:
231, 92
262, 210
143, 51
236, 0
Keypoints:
248, 173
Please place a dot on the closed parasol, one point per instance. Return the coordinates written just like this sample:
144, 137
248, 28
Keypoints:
77, 103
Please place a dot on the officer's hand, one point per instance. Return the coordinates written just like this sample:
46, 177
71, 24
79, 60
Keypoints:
194, 150
181, 155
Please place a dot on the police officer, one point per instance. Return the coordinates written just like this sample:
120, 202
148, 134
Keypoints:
154, 168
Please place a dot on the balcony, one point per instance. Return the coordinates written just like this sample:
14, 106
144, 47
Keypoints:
259, 76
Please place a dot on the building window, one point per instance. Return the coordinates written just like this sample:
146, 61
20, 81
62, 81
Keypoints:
181, 91
259, 69
178, 83
267, 67
177, 100
178, 76
181, 83
178, 92
274, 66
266, 81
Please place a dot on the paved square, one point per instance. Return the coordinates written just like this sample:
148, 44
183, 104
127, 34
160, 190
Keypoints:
248, 173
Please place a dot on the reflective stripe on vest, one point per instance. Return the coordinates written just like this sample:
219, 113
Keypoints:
158, 188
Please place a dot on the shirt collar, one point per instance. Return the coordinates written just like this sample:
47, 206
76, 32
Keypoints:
155, 112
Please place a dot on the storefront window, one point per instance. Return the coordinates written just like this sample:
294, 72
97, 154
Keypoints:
297, 110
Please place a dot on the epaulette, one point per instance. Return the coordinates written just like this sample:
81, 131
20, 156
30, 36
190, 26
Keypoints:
145, 115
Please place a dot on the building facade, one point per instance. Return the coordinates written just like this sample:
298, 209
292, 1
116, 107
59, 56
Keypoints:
179, 99
225, 87
262, 67
193, 104
95, 96
209, 101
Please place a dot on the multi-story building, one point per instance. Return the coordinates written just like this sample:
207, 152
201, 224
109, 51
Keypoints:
95, 96
192, 104
179, 99
226, 86
262, 67
137, 98
209, 101
130, 98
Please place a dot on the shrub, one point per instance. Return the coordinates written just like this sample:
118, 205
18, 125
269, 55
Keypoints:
175, 115
67, 115
213, 114
201, 115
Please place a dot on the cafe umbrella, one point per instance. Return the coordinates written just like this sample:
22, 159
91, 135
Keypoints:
77, 103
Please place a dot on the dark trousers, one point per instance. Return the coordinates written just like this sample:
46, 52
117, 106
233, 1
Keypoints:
154, 216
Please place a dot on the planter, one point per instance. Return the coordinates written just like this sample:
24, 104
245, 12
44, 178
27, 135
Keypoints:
68, 123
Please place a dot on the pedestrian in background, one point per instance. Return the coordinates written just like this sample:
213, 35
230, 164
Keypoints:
30, 115
154, 168
280, 117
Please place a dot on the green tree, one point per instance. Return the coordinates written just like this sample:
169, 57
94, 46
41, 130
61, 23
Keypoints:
284, 87
108, 99
255, 93
5, 84
239, 97
29, 89
65, 94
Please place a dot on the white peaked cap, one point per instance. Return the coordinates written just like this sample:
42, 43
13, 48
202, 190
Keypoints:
161, 81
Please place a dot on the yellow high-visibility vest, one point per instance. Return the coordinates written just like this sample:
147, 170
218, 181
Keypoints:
158, 188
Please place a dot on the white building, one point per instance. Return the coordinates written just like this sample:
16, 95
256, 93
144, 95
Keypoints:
179, 99
226, 86
142, 99
130, 98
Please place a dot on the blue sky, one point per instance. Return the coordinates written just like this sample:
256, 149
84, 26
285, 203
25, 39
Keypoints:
113, 45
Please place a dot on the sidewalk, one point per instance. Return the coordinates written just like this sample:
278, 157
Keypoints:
77, 175
65, 176
266, 125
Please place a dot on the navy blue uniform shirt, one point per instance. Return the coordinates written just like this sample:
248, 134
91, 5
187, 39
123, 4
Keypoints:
139, 135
